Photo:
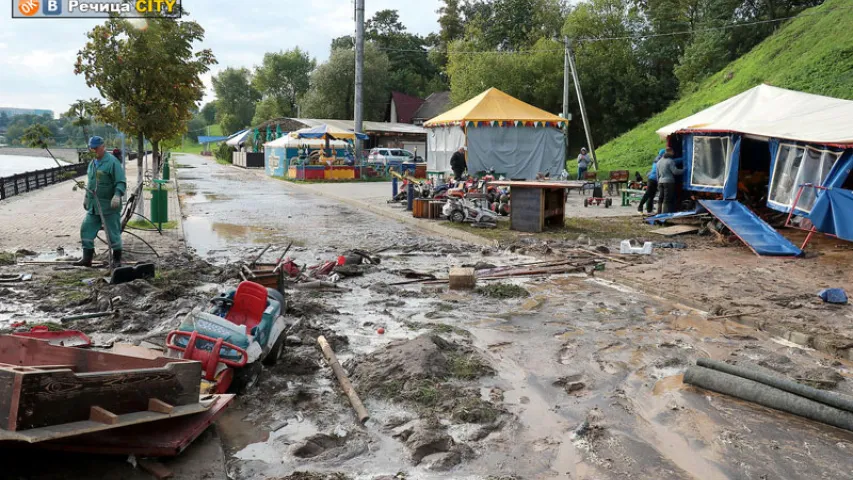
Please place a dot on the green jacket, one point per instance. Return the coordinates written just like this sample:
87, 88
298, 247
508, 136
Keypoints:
106, 179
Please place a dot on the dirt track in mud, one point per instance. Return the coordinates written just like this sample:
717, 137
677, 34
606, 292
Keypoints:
581, 379
586, 382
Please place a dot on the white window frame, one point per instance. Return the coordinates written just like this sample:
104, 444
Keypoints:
798, 180
728, 149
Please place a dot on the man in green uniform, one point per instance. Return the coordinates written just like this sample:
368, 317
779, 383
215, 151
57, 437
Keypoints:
107, 182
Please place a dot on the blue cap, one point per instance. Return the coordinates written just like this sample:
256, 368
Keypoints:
95, 142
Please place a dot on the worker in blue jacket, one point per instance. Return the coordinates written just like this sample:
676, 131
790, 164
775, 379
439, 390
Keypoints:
105, 187
652, 187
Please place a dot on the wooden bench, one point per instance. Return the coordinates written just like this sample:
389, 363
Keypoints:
616, 180
630, 194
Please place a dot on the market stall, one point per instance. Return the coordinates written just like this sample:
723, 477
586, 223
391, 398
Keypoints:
518, 140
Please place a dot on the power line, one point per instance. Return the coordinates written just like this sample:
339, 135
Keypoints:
631, 37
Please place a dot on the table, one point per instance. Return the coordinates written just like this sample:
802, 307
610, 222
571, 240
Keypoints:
537, 206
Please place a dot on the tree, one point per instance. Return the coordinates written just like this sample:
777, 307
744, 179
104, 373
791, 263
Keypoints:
4, 120
512, 24
149, 77
411, 70
282, 79
208, 112
81, 113
235, 97
331, 91
345, 42
36, 136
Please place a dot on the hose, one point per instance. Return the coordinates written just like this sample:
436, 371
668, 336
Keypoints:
768, 396
829, 398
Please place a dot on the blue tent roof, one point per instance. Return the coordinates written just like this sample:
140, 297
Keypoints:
205, 139
324, 130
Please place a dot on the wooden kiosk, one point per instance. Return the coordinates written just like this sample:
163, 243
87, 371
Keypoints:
537, 206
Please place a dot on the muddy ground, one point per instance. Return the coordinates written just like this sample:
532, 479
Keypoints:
568, 376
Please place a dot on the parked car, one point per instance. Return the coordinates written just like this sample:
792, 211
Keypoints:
392, 156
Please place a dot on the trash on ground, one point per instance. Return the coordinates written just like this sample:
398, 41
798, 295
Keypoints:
833, 295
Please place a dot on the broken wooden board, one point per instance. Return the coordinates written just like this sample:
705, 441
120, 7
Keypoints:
43, 434
676, 230
159, 439
462, 278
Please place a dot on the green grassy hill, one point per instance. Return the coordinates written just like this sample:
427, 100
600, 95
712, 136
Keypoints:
812, 53
193, 146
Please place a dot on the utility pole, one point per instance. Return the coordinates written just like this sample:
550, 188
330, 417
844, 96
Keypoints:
571, 58
123, 144
359, 73
566, 74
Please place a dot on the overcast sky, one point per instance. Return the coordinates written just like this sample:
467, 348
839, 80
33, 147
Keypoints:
37, 56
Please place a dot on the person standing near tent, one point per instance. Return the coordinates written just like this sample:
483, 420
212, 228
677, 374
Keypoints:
652, 187
667, 171
583, 163
107, 184
458, 163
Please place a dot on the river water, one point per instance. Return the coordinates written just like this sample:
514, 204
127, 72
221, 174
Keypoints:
14, 164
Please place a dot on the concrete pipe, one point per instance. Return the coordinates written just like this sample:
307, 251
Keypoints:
768, 396
829, 398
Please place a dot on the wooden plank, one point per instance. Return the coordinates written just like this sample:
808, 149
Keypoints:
72, 429
155, 468
526, 210
166, 438
522, 184
159, 406
676, 230
100, 415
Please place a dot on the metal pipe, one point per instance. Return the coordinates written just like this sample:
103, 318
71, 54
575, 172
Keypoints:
829, 398
768, 396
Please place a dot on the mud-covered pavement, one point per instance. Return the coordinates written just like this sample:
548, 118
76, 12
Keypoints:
582, 379
567, 376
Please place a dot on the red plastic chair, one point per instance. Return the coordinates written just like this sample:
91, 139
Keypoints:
250, 301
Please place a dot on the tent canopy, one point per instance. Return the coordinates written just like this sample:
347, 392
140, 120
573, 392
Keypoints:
210, 139
328, 131
314, 143
238, 138
493, 104
775, 113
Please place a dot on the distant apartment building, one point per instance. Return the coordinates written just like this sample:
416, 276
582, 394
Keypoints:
11, 112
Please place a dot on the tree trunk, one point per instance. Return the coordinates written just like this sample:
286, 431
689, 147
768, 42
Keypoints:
140, 171
155, 159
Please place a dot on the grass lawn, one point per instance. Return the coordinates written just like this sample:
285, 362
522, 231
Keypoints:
196, 148
146, 225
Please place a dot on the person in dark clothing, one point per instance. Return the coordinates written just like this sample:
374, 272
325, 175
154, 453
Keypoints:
652, 188
458, 164
667, 171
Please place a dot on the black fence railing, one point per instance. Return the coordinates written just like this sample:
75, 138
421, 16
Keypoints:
29, 181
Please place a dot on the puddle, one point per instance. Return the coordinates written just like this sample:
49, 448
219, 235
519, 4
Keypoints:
271, 450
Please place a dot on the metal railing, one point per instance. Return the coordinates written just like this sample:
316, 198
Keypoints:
29, 181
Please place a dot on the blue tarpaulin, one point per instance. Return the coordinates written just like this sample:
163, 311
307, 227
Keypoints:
663, 217
833, 213
760, 237
205, 139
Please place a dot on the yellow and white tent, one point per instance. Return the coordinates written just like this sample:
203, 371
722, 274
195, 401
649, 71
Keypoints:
501, 132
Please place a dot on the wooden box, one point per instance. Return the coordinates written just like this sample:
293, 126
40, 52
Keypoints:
462, 278
420, 208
